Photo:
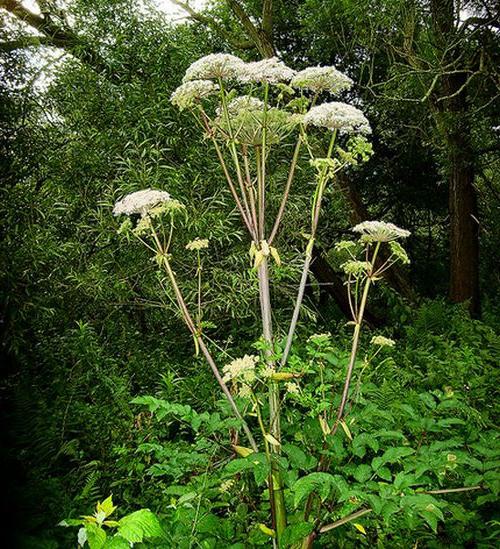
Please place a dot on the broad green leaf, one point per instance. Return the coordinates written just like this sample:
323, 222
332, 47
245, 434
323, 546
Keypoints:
116, 542
96, 536
295, 533
391, 455
363, 472
321, 483
139, 525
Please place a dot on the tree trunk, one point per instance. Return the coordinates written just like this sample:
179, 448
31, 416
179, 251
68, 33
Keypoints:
464, 224
451, 113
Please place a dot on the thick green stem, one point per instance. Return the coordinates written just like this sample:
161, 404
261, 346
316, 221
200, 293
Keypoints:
276, 483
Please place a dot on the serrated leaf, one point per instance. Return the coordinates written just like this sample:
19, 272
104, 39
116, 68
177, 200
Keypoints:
363, 472
139, 525
106, 506
295, 533
96, 536
314, 482
116, 542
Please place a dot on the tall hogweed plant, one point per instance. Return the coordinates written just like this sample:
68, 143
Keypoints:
249, 111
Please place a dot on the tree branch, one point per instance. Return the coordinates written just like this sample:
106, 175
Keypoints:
214, 24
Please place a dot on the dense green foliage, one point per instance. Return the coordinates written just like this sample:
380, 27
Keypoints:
102, 391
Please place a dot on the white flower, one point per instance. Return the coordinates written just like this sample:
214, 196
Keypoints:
245, 391
226, 485
379, 231
320, 339
267, 372
244, 103
320, 79
197, 244
356, 267
241, 368
188, 93
214, 66
338, 116
270, 70
140, 202
382, 341
292, 388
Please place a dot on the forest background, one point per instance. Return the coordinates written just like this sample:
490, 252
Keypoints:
86, 117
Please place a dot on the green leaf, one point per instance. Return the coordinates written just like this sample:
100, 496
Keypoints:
363, 472
295, 533
208, 524
384, 473
116, 542
106, 506
96, 536
296, 456
391, 455
321, 483
139, 525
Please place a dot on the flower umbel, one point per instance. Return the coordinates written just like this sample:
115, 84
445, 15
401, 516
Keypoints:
140, 202
241, 368
197, 244
187, 94
214, 66
379, 231
382, 341
319, 79
270, 70
338, 116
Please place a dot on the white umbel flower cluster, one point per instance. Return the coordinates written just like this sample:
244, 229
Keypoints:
319, 79
245, 103
197, 244
242, 369
140, 202
338, 116
187, 94
214, 66
382, 341
242, 103
379, 231
270, 70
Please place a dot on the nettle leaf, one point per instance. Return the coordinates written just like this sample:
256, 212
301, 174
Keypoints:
209, 524
295, 533
403, 480
139, 525
251, 462
297, 457
116, 542
363, 472
391, 455
96, 536
363, 441
321, 483
384, 473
